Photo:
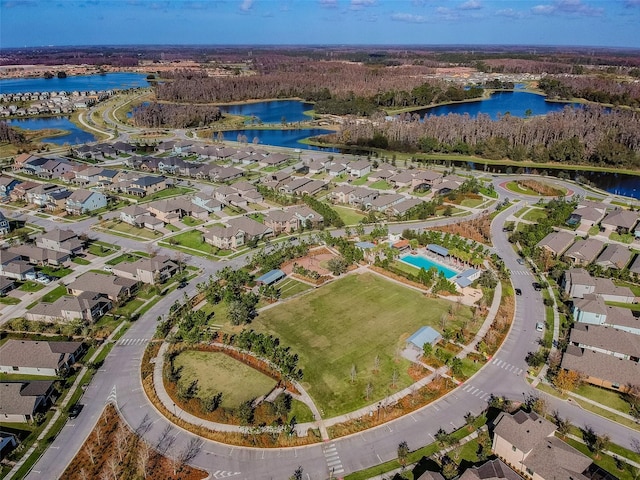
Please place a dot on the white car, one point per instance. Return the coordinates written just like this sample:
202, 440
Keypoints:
539, 326
30, 276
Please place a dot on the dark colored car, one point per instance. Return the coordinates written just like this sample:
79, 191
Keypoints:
75, 410
182, 284
518, 291
537, 287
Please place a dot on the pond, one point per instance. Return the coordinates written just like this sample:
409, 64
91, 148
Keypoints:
273, 111
517, 104
80, 83
75, 135
279, 138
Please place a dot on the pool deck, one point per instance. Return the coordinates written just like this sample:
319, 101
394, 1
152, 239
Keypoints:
435, 259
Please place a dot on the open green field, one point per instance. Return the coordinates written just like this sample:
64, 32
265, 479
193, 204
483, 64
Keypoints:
290, 287
535, 214
349, 216
347, 323
117, 227
217, 372
192, 240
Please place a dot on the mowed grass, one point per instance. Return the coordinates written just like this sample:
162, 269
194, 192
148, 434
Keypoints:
349, 216
217, 372
347, 323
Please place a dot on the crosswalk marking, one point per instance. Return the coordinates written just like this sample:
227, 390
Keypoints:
333, 459
507, 366
123, 342
520, 272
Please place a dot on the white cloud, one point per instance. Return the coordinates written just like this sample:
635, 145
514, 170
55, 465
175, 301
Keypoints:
510, 13
246, 5
471, 5
445, 13
328, 3
568, 7
409, 18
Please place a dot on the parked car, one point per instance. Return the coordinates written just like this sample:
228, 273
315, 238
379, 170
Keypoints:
30, 275
539, 326
75, 410
518, 291
108, 268
521, 261
183, 283
44, 281
537, 287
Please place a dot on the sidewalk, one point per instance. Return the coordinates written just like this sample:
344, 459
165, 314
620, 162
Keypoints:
607, 452
61, 407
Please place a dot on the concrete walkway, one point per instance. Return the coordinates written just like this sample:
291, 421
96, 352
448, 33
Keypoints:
319, 422
61, 406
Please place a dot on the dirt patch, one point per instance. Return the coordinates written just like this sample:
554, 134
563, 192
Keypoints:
316, 260
112, 450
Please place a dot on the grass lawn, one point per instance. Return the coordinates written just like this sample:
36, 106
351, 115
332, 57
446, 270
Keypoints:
634, 287
31, 286
605, 397
55, 294
350, 216
472, 202
535, 214
625, 238
604, 461
117, 227
168, 192
595, 230
130, 307
361, 180
347, 323
125, 257
300, 411
217, 372
9, 300
381, 185
80, 261
290, 287
192, 239
101, 249
55, 272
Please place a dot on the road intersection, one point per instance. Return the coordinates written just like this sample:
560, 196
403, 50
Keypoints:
504, 375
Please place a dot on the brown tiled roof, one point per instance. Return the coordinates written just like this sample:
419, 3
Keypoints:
554, 459
36, 354
606, 338
490, 470
600, 365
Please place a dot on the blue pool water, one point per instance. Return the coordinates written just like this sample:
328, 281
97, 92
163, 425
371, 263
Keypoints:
423, 262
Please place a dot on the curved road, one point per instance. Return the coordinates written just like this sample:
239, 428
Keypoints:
119, 380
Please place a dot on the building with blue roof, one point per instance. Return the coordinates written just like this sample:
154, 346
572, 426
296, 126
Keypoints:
365, 245
467, 277
422, 336
271, 277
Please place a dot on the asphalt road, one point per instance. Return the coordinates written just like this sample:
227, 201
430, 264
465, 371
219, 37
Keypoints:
119, 380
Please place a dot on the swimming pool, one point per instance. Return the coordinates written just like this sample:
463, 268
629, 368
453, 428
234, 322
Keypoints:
423, 262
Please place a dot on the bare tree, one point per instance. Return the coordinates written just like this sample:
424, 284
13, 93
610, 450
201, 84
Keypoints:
121, 441
394, 378
376, 364
190, 452
354, 373
368, 390
88, 449
144, 457
112, 467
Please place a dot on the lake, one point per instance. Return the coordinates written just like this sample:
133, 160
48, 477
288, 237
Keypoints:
109, 81
273, 111
280, 138
516, 103
75, 135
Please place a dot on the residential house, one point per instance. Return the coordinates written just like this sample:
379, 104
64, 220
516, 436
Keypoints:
635, 265
88, 307
61, 241
12, 265
592, 310
381, 175
621, 221
147, 270
147, 185
402, 179
601, 369
274, 160
307, 216
6, 285
7, 184
207, 202
55, 168
606, 340
20, 161
361, 196
426, 179
33, 165
556, 242
36, 357
117, 289
20, 401
359, 168
132, 215
281, 221
225, 174
169, 211
526, 442
614, 256
290, 186
494, 469
57, 201
404, 206
122, 147
584, 252
448, 184
40, 256
385, 202
21, 190
39, 195
83, 201
88, 176
587, 215
336, 169
311, 188
5, 228
225, 237
340, 194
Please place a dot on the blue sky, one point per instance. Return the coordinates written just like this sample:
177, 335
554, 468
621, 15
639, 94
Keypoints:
413, 22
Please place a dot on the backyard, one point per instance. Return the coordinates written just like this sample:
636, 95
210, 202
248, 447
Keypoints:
340, 329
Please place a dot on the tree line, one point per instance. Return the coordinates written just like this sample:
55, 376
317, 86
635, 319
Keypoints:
11, 135
595, 88
168, 115
591, 134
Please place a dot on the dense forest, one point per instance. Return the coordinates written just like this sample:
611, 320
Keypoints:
154, 115
575, 135
330, 81
594, 88
10, 135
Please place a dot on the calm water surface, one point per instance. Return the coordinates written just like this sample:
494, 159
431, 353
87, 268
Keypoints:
109, 81
274, 111
75, 135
